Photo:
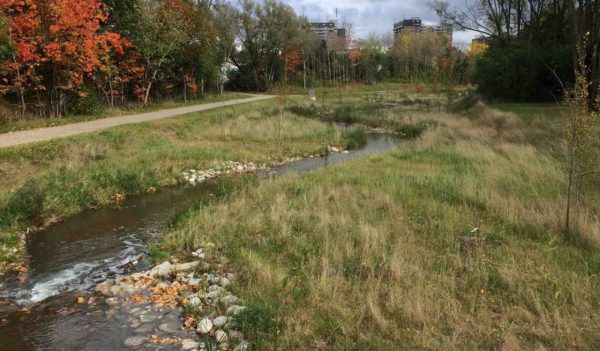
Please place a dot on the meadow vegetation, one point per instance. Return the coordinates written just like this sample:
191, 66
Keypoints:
453, 241
44, 182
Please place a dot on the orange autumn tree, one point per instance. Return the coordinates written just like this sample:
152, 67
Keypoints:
293, 61
21, 73
58, 43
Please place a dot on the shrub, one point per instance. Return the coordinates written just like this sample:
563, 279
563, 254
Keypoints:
304, 111
354, 138
414, 130
86, 103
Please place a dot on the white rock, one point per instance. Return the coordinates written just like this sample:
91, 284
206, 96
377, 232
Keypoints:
189, 344
213, 279
195, 301
219, 321
224, 282
185, 267
204, 326
214, 288
194, 281
230, 300
213, 295
134, 341
221, 336
233, 310
163, 270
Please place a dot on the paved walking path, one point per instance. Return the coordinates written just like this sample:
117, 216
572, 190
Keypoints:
43, 134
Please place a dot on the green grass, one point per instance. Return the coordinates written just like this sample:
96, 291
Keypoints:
395, 113
43, 182
380, 253
32, 123
361, 89
531, 111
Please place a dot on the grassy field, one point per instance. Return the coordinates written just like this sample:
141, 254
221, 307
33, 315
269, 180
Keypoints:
362, 89
43, 182
32, 123
454, 241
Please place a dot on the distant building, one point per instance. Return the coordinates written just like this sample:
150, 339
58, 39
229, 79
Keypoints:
411, 25
414, 25
481, 40
330, 34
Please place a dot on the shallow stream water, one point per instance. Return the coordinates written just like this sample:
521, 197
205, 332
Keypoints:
71, 257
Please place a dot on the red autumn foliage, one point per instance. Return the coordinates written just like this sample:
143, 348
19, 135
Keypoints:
293, 61
61, 36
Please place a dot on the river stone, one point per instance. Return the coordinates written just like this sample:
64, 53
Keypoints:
149, 317
134, 341
185, 267
214, 288
189, 344
230, 300
221, 336
213, 295
235, 309
224, 282
104, 288
163, 270
195, 301
145, 328
219, 321
170, 327
204, 326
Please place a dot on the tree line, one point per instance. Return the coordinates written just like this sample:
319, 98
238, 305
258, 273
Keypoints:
535, 46
74, 56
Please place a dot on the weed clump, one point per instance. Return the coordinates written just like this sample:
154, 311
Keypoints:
354, 138
259, 321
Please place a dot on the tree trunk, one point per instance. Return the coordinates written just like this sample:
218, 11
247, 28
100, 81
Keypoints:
112, 93
147, 93
304, 71
21, 90
184, 90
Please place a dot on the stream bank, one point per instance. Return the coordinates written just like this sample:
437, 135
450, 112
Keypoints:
67, 261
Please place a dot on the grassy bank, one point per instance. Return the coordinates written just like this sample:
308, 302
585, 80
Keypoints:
43, 182
32, 122
451, 242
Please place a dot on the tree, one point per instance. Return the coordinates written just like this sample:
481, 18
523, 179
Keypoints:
581, 123
161, 36
58, 43
226, 17
537, 36
266, 31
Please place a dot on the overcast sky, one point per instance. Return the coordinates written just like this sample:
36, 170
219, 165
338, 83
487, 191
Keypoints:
373, 16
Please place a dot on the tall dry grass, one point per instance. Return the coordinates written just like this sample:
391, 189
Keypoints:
383, 253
